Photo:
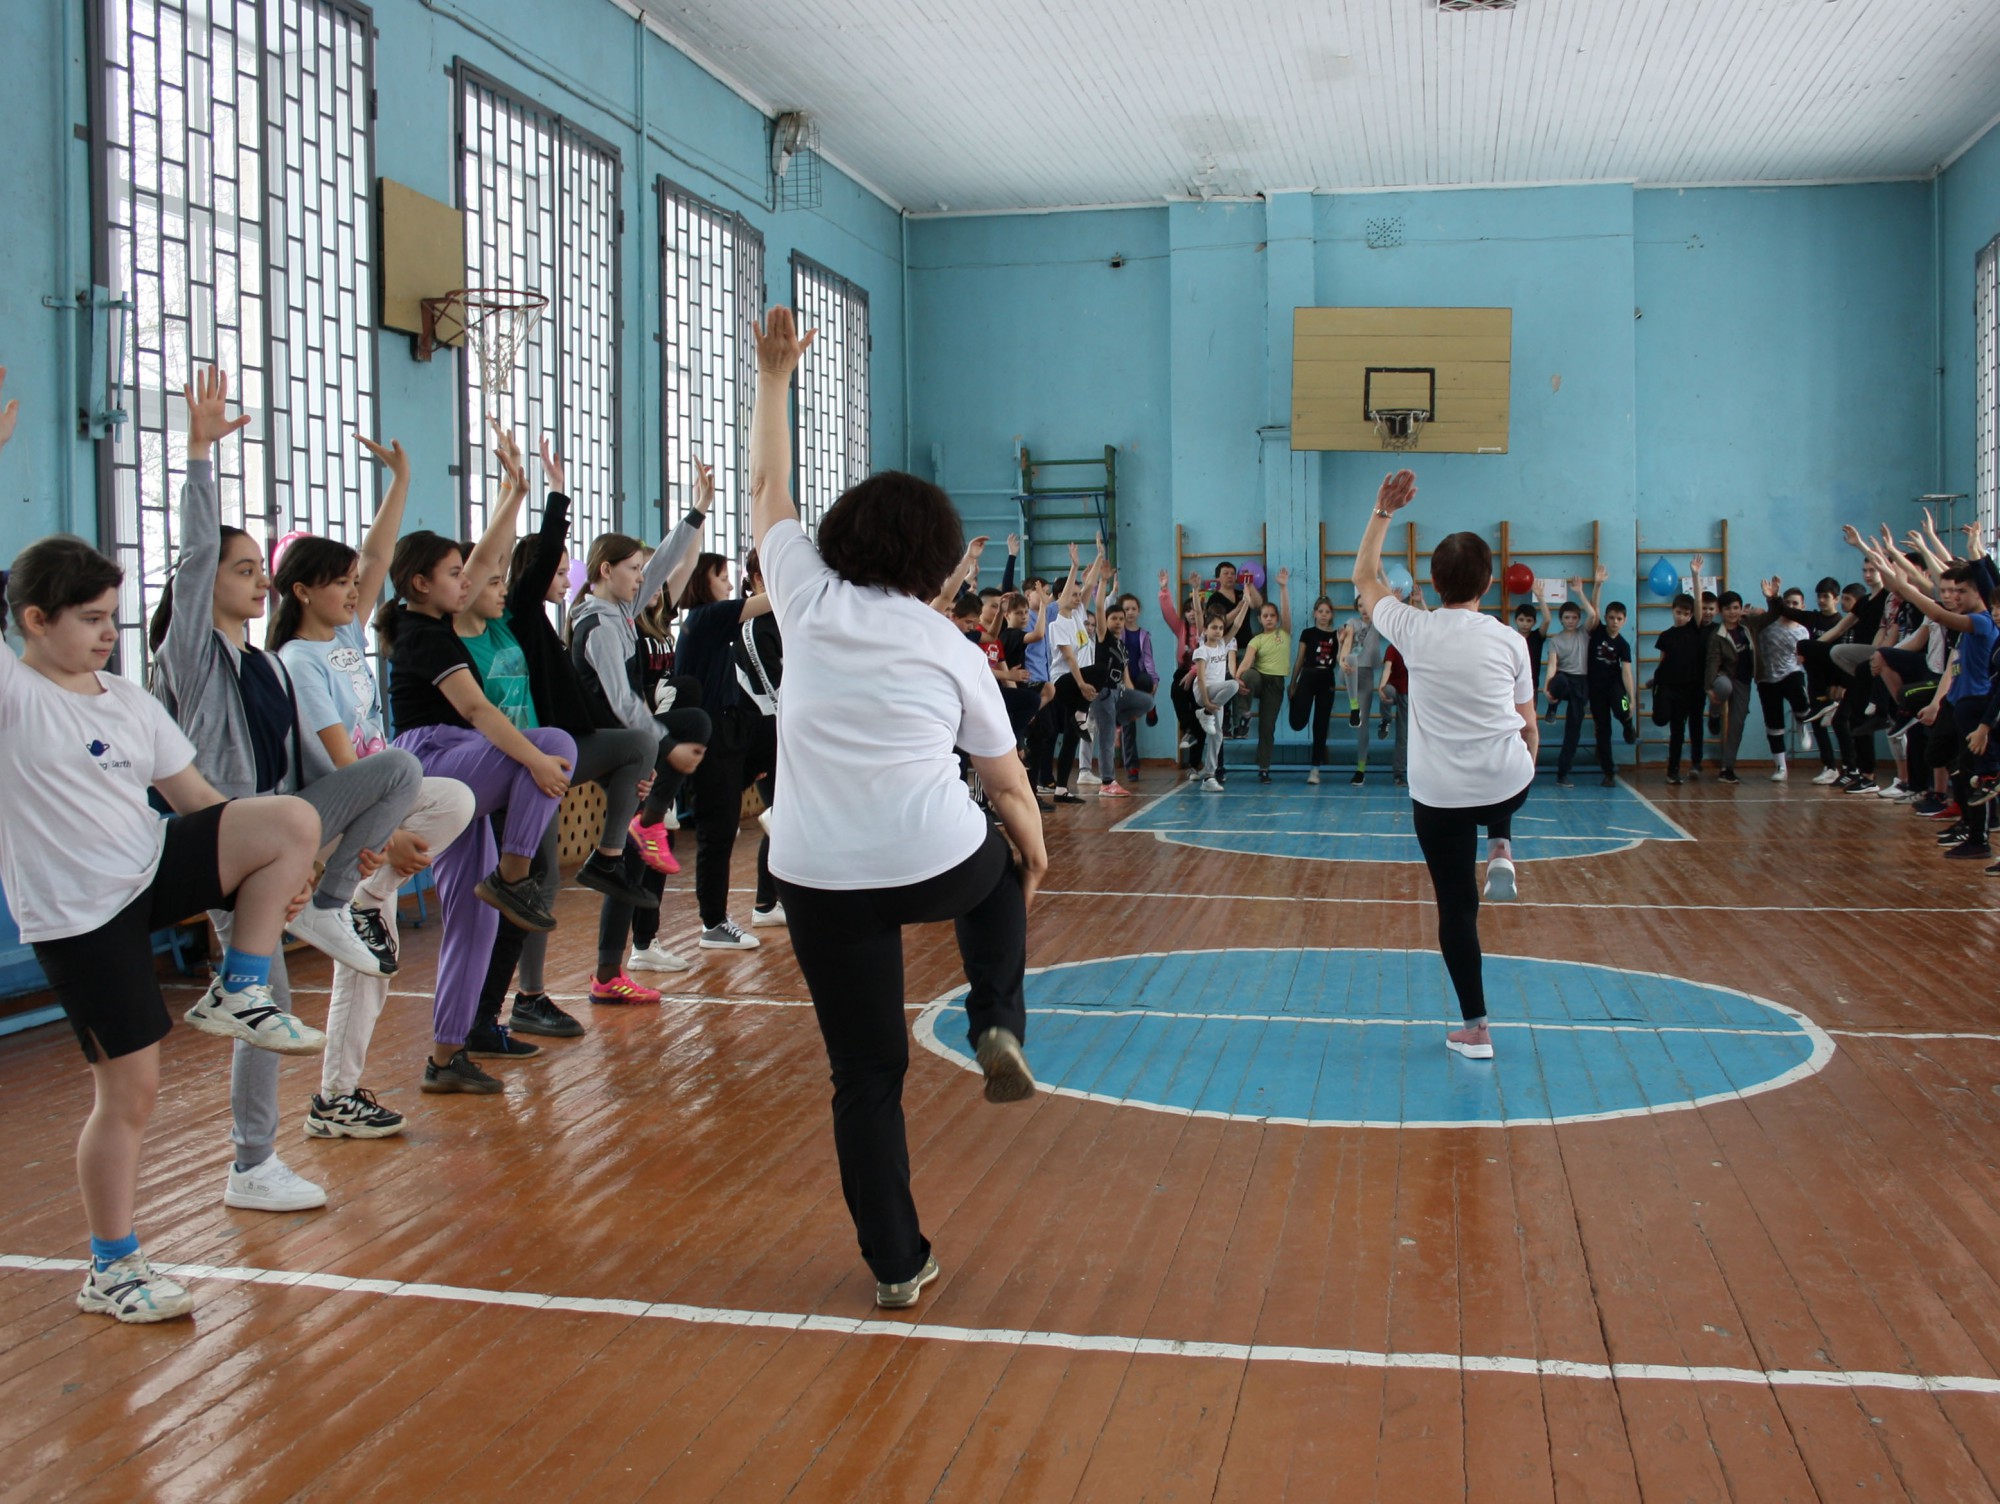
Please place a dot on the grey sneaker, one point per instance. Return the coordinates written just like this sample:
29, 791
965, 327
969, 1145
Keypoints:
251, 1016
1006, 1068
726, 936
130, 1291
904, 1292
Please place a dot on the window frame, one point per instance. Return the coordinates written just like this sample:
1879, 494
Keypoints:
586, 512
1986, 387
287, 492
814, 493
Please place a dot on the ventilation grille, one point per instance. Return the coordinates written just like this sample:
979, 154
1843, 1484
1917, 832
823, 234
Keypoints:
1384, 233
1475, 4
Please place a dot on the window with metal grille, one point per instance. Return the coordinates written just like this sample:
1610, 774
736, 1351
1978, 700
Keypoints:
233, 181
541, 212
1986, 389
711, 289
833, 387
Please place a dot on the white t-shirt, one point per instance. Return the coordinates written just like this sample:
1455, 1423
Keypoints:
1467, 673
1071, 629
335, 687
78, 841
879, 689
1214, 663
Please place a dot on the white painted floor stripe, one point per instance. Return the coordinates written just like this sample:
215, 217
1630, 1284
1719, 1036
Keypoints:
1150, 1347
1039, 1009
1182, 896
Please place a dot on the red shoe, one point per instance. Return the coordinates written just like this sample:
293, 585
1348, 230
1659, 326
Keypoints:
653, 848
1112, 790
621, 989
1949, 812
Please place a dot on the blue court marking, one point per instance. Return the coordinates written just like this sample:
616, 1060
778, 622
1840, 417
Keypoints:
1355, 1038
1337, 822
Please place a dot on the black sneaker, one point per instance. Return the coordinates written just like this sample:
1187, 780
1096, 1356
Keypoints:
1608, 781
1064, 796
1951, 835
1263, 775
606, 875
1563, 781
353, 1114
460, 1074
539, 1015
1359, 777
1984, 790
1715, 725
1929, 804
1401, 781
493, 1042
1727, 775
520, 904
1970, 851
373, 933
1354, 717
1673, 780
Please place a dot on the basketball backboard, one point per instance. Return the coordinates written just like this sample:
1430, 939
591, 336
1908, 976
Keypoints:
1350, 364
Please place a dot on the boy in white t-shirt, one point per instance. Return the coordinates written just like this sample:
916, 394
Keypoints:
1215, 685
91, 871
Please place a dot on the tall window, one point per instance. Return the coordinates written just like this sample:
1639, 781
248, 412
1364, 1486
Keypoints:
233, 186
833, 387
541, 202
711, 285
1986, 386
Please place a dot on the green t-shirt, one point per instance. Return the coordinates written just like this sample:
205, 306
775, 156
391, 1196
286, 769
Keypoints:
1270, 653
504, 667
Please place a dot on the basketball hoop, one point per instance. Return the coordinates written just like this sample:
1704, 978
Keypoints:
492, 321
1399, 427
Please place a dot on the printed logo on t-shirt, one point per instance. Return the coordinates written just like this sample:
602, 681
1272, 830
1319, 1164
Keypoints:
100, 750
367, 736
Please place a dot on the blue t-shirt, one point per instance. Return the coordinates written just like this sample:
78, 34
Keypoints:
1038, 651
1975, 659
335, 686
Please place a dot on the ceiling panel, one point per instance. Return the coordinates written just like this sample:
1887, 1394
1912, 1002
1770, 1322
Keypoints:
1010, 104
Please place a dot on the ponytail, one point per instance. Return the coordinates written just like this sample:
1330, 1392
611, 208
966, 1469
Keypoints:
418, 556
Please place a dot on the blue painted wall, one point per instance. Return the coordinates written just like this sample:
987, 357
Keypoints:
1779, 375
586, 61
1969, 217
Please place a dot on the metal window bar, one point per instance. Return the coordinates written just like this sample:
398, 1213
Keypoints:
541, 201
1986, 404
711, 290
232, 154
833, 400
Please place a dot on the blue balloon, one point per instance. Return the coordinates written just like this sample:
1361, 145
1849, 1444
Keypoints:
1665, 580
1399, 579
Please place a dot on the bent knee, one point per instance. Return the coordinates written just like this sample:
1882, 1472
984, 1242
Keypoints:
554, 741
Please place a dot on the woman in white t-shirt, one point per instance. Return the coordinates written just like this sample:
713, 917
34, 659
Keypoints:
876, 830
1473, 737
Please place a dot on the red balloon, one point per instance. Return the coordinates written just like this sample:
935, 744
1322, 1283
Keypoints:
1520, 579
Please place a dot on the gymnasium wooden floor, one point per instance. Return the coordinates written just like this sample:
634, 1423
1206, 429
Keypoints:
633, 1276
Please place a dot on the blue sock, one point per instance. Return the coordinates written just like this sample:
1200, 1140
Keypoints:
103, 1255
240, 970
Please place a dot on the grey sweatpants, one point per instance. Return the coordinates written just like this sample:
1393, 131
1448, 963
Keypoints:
1736, 709
617, 760
360, 807
1360, 695
1211, 749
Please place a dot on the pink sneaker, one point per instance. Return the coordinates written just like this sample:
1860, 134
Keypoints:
653, 848
622, 989
1111, 790
1473, 1044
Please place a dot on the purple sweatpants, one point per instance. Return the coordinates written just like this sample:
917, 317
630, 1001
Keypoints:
470, 925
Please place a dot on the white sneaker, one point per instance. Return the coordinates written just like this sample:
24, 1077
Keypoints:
1206, 720
129, 1290
273, 1186
726, 936
1829, 775
671, 820
1211, 785
1778, 774
1313, 776
251, 1016
1500, 885
332, 933
656, 957
1085, 776
765, 918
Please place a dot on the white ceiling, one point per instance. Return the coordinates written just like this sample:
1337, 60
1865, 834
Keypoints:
1008, 104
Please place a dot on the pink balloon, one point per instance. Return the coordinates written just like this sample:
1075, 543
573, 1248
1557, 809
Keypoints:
278, 548
1251, 574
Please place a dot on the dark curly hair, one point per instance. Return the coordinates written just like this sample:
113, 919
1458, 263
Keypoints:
893, 530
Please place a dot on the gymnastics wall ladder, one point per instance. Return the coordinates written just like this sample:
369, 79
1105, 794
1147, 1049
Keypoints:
1057, 511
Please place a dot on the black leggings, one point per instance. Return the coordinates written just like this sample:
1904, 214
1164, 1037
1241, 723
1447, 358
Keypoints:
1069, 701
1312, 697
1450, 842
849, 946
1773, 697
686, 722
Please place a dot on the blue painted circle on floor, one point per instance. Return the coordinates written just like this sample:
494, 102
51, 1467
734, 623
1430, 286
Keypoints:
1356, 1037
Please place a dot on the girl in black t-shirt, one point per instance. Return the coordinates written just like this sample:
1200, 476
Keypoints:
1315, 678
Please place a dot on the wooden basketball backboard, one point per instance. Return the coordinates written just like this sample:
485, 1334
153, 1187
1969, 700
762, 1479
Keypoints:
423, 255
1456, 361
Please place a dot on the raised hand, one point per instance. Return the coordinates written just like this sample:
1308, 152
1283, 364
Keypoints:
1163, 573
509, 455
1852, 535
8, 414
1397, 491
394, 457
780, 346
1695, 564
1285, 575
704, 486
1773, 588
1075, 558
1600, 574
208, 412
1576, 587
552, 467
1013, 544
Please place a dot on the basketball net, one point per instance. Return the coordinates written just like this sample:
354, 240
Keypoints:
494, 322
1399, 428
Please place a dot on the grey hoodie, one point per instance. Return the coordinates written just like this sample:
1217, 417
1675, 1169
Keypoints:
194, 669
610, 647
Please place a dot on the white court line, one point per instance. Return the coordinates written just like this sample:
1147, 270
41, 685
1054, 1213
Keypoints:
1408, 1023
1383, 835
1138, 1347
1182, 896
